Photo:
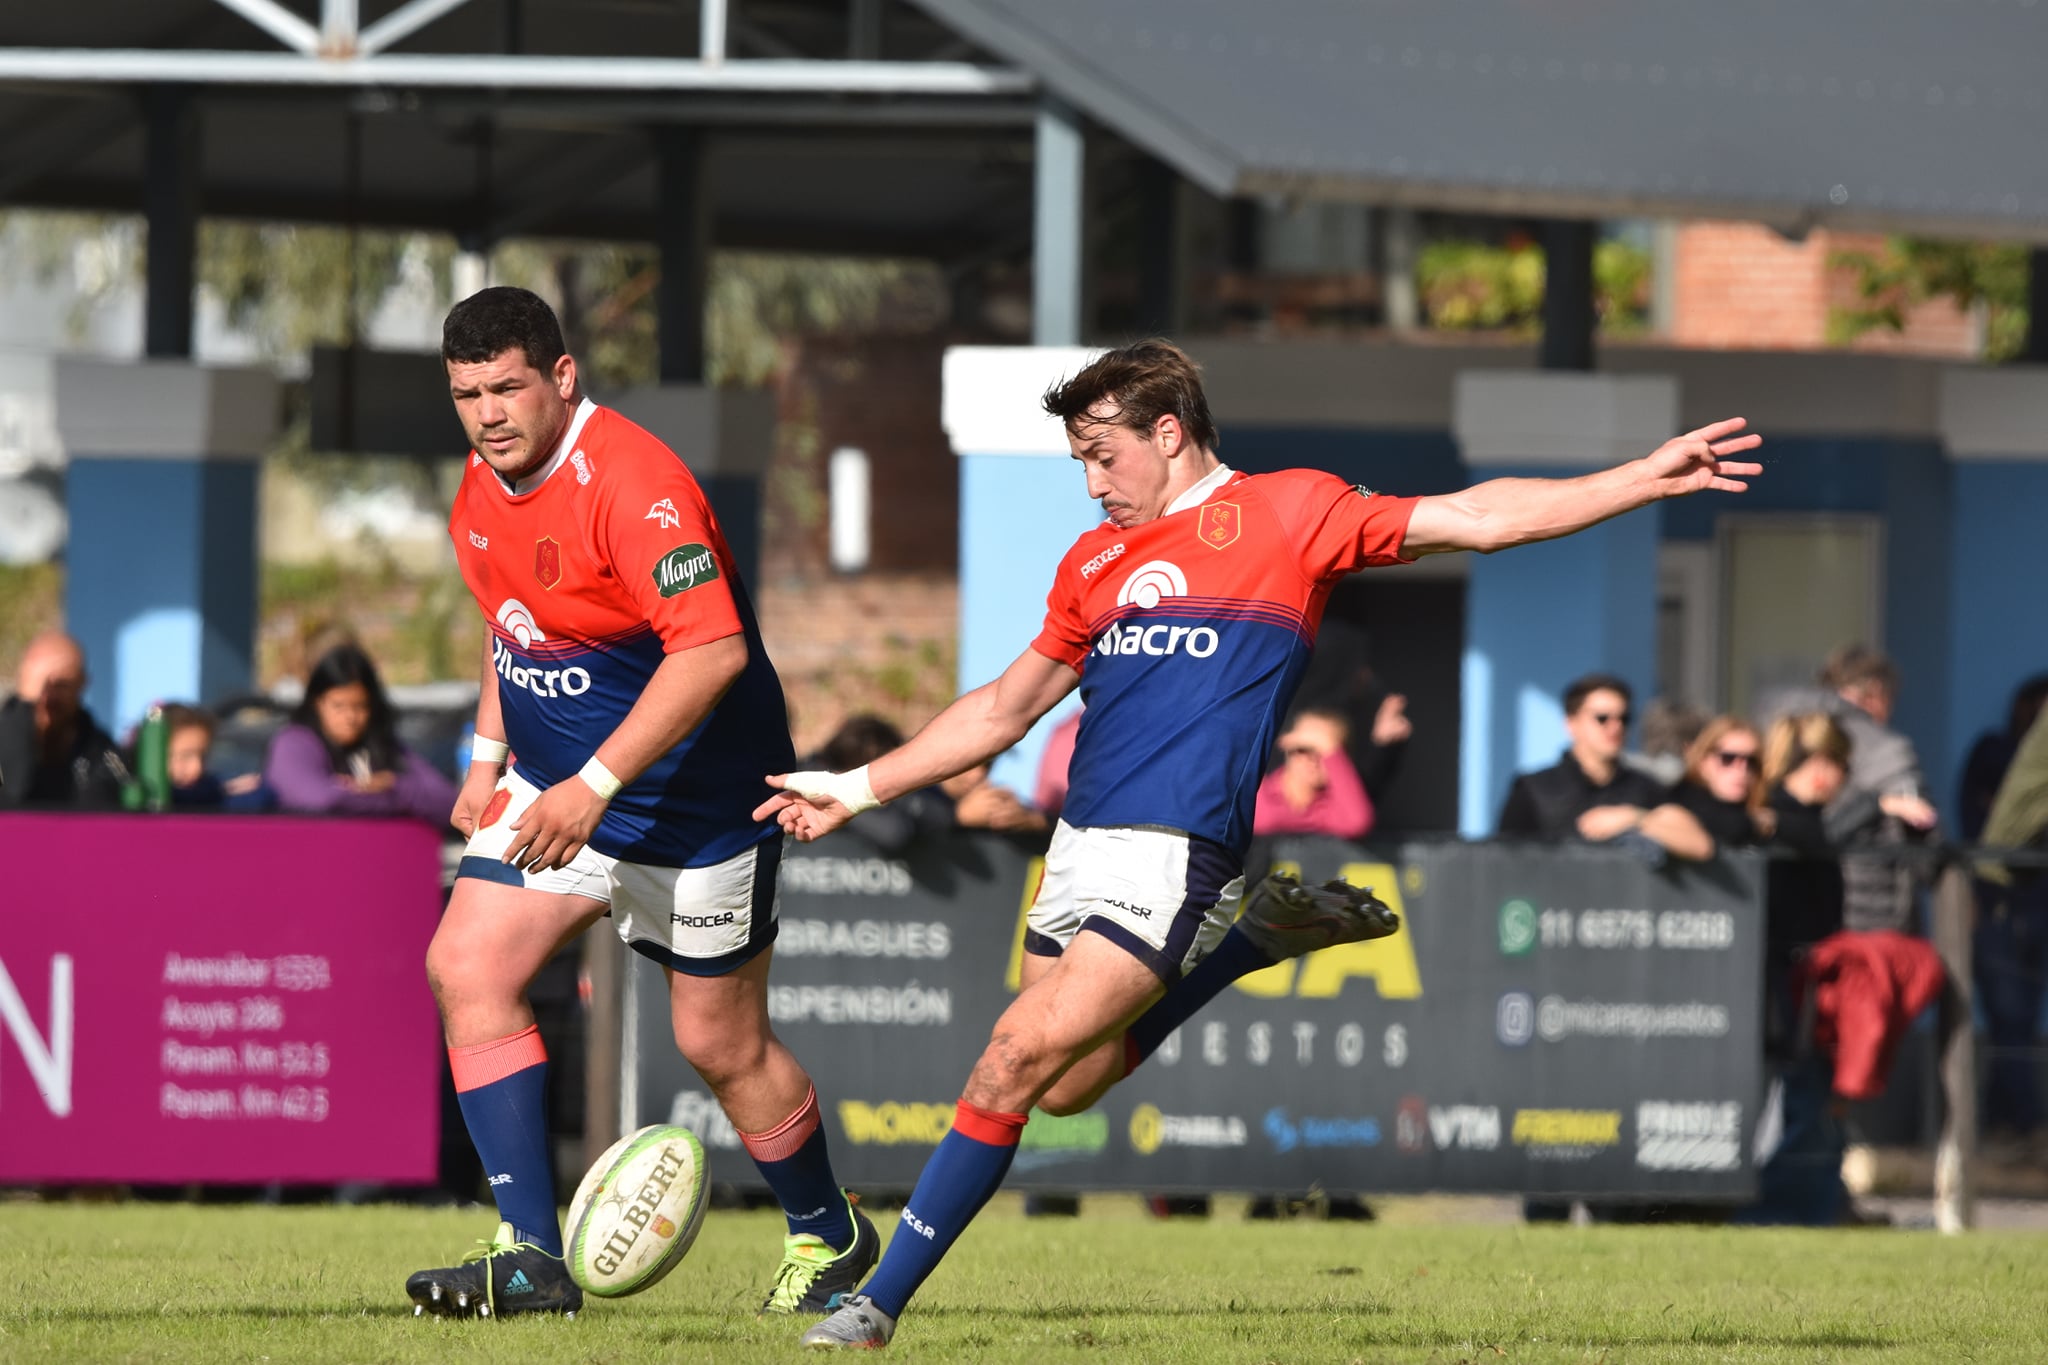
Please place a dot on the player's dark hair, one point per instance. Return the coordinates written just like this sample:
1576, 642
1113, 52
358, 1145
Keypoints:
338, 667
1134, 386
493, 321
1582, 688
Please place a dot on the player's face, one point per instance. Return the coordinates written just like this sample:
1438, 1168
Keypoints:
1131, 473
514, 414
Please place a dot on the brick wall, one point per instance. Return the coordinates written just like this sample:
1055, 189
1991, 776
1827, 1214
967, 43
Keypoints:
880, 394
886, 643
1746, 287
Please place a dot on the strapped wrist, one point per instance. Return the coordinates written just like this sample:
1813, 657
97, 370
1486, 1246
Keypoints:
599, 778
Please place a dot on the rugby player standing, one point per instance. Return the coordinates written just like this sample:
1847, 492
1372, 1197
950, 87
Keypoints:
625, 679
1186, 619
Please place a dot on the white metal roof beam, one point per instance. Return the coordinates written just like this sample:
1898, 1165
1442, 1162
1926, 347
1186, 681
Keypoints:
402, 23
279, 22
82, 66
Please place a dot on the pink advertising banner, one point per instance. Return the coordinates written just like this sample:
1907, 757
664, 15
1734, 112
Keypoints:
217, 998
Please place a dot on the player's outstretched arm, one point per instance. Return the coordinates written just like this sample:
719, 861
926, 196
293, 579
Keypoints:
1502, 513
973, 730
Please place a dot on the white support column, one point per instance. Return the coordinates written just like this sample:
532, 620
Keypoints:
711, 31
338, 28
1058, 228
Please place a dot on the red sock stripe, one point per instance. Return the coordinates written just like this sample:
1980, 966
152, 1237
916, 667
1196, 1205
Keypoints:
989, 1126
781, 1142
481, 1064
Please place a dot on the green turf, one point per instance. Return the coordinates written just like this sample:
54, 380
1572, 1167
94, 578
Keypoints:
163, 1282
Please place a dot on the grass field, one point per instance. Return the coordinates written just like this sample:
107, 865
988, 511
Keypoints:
169, 1282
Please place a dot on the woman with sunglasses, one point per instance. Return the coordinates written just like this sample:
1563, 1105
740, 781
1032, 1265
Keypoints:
1722, 785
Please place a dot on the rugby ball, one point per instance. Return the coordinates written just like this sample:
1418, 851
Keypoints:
637, 1211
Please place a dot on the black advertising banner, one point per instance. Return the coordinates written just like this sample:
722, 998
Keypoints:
1561, 1021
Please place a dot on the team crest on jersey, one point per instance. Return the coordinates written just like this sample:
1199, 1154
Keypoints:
1220, 524
547, 561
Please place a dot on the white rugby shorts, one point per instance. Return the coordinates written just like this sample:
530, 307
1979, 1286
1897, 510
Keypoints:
1163, 896
702, 921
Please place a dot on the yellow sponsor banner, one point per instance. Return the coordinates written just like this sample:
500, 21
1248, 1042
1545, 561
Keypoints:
1567, 1127
893, 1124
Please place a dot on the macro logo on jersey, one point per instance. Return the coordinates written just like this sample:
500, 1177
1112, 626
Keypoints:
1151, 583
582, 463
1219, 524
547, 561
685, 567
518, 622
664, 514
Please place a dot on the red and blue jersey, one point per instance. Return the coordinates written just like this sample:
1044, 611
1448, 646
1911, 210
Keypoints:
1191, 633
588, 581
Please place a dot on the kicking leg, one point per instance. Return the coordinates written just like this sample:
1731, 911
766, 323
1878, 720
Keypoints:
1091, 1076
1083, 1001
1282, 919
722, 1029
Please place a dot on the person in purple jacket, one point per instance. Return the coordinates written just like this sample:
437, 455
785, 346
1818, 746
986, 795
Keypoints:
340, 753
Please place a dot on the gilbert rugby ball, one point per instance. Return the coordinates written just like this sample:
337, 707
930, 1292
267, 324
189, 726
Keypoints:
637, 1211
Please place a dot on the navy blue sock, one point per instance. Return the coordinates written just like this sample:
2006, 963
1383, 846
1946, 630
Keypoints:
793, 1160
1234, 956
503, 1090
968, 1166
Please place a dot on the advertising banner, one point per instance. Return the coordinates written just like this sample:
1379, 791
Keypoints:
217, 999
1556, 1021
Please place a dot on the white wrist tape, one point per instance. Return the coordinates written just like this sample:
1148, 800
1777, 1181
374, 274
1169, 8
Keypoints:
599, 778
483, 750
850, 790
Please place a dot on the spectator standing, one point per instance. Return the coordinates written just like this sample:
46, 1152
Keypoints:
1341, 678
1315, 790
1590, 794
340, 753
1992, 755
1859, 687
2010, 952
1722, 787
52, 751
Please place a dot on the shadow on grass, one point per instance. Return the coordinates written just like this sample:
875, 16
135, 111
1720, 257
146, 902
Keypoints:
1419, 1335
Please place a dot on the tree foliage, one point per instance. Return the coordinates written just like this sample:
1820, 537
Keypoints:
1480, 286
1910, 271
